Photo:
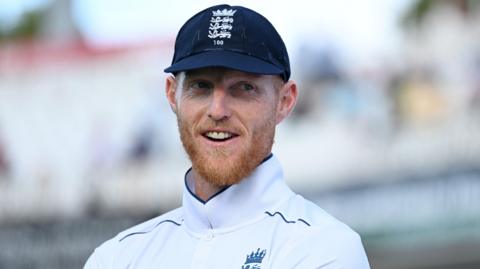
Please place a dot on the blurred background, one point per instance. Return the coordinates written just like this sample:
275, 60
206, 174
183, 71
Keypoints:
385, 135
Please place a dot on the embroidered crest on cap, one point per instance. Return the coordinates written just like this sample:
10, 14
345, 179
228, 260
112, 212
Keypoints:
220, 25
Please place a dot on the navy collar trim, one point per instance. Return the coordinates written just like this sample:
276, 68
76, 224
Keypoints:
195, 196
267, 158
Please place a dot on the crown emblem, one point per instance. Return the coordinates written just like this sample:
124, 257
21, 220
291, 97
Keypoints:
224, 12
254, 260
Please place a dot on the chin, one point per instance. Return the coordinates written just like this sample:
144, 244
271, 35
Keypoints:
221, 168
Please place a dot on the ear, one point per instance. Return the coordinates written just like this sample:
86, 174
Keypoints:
170, 89
286, 100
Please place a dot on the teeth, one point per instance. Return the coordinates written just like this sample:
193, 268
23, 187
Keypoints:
218, 135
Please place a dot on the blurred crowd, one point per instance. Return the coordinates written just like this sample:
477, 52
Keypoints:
74, 117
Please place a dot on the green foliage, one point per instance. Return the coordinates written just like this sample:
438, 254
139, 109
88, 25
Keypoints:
420, 8
28, 28
418, 11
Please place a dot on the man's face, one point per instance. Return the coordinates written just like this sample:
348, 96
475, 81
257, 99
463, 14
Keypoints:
226, 120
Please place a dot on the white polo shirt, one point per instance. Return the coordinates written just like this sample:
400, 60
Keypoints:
257, 224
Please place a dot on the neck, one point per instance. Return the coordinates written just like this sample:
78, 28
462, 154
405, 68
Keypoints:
204, 189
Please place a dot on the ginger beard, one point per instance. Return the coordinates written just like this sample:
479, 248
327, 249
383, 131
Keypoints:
224, 167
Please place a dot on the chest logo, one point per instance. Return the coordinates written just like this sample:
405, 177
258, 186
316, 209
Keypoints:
254, 260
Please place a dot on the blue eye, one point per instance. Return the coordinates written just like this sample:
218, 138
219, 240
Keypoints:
244, 88
247, 87
201, 85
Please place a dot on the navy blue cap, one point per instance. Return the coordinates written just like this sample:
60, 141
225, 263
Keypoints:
233, 37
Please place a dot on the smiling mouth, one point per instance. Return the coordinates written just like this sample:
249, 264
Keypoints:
219, 136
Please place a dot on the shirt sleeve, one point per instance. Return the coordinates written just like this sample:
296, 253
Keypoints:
100, 258
342, 250
93, 261
351, 254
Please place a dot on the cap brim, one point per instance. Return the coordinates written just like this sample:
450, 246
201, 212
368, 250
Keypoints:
227, 59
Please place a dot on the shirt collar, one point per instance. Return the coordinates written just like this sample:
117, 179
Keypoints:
238, 204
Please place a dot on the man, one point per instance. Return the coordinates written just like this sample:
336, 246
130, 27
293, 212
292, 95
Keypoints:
230, 89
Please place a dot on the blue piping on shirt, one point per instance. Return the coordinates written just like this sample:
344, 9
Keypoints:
145, 232
284, 219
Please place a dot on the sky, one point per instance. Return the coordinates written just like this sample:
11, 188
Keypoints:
359, 27
357, 22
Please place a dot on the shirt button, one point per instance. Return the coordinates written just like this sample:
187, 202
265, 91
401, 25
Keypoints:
209, 236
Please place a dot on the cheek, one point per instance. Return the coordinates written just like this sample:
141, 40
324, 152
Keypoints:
261, 118
189, 115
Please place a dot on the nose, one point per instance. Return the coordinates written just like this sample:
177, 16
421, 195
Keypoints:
218, 109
